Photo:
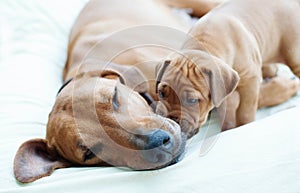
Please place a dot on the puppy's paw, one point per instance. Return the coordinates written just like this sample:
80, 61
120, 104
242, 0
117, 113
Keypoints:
294, 84
269, 71
277, 90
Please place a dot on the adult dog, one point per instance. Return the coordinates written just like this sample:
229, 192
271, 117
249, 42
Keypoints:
100, 116
225, 53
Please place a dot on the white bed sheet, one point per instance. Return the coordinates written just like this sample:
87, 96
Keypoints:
263, 156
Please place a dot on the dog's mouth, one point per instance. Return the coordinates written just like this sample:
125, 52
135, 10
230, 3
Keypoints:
177, 159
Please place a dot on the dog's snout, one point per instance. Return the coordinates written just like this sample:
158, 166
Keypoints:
158, 147
158, 138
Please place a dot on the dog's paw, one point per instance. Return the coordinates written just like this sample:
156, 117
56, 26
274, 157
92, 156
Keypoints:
277, 90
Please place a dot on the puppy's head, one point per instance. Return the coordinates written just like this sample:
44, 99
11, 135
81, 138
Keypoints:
96, 120
190, 84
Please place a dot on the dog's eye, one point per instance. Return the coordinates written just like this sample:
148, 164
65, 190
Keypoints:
192, 101
115, 101
88, 155
191, 98
161, 94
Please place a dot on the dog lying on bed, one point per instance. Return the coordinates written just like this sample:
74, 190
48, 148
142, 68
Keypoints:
101, 115
225, 53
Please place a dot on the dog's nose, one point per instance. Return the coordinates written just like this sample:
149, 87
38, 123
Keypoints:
158, 147
157, 138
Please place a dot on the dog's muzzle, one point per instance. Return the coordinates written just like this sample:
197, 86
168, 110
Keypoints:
158, 147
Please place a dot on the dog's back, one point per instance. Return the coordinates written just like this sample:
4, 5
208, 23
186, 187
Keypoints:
101, 18
271, 22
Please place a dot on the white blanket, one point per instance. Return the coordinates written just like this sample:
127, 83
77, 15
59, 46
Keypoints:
263, 156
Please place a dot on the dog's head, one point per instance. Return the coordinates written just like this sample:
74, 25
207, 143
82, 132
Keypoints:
95, 121
190, 84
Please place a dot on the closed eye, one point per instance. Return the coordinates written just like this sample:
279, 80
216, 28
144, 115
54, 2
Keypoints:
115, 100
163, 91
88, 155
161, 94
92, 152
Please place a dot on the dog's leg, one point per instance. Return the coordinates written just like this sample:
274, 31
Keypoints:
291, 48
277, 90
269, 70
249, 95
293, 61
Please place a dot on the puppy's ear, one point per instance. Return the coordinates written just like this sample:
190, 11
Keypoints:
222, 81
35, 159
159, 72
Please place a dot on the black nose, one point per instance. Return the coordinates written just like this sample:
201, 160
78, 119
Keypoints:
159, 147
157, 138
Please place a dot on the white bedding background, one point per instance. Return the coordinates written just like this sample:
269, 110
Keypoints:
263, 156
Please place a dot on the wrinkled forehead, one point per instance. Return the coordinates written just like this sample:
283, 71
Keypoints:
183, 73
179, 71
89, 95
80, 97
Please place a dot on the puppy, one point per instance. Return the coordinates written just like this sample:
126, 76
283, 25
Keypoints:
225, 52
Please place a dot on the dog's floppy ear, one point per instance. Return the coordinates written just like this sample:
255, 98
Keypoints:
222, 81
131, 76
35, 159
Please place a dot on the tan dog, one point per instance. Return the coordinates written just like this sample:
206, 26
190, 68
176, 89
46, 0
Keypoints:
225, 52
97, 119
